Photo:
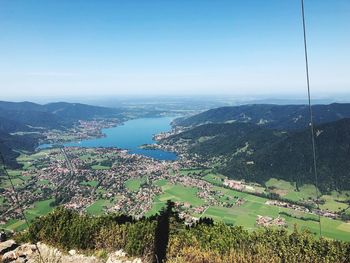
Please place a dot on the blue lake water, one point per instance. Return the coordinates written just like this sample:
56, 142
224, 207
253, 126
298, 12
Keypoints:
131, 135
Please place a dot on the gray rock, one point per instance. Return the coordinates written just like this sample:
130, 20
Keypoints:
121, 257
7, 246
21, 252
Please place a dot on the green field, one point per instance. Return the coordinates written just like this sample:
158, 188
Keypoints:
192, 171
246, 214
100, 167
17, 179
14, 173
100, 190
85, 157
40, 208
180, 193
161, 182
90, 183
134, 184
97, 208
176, 193
156, 207
287, 190
32, 157
331, 202
27, 159
216, 179
17, 182
44, 182
281, 187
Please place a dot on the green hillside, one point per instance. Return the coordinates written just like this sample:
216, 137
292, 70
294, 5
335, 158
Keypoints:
281, 117
251, 152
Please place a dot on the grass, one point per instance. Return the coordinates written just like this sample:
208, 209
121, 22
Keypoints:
90, 183
216, 179
221, 214
180, 193
175, 193
246, 214
17, 179
100, 167
192, 171
17, 182
85, 157
97, 208
101, 190
161, 182
288, 190
14, 224
280, 187
134, 185
331, 204
156, 207
14, 173
308, 191
40, 208
33, 157
44, 182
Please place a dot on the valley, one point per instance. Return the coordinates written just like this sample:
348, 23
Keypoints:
86, 169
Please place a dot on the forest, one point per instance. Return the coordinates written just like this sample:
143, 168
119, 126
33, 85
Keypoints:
164, 237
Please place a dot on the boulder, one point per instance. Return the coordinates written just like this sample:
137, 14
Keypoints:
120, 253
121, 257
21, 252
52, 254
7, 246
9, 257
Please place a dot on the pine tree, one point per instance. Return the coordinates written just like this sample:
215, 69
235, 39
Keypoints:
162, 233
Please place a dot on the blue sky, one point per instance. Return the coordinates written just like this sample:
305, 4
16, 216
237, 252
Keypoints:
171, 47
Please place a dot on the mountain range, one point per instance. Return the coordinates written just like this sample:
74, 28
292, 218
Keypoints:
254, 142
281, 117
26, 115
33, 118
257, 142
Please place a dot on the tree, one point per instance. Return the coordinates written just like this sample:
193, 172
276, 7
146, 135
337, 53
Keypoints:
161, 238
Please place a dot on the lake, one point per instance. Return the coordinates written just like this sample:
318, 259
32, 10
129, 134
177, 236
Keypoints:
131, 135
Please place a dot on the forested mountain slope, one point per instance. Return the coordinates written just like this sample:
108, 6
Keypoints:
53, 115
33, 118
282, 117
255, 153
11, 144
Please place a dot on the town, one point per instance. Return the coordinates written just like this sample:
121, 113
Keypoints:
112, 180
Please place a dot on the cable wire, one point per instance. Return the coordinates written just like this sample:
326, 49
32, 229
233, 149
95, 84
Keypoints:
311, 115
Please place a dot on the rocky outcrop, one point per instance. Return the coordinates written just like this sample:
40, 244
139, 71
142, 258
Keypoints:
20, 254
6, 246
120, 257
10, 252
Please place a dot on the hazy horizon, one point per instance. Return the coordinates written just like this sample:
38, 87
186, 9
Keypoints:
213, 100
